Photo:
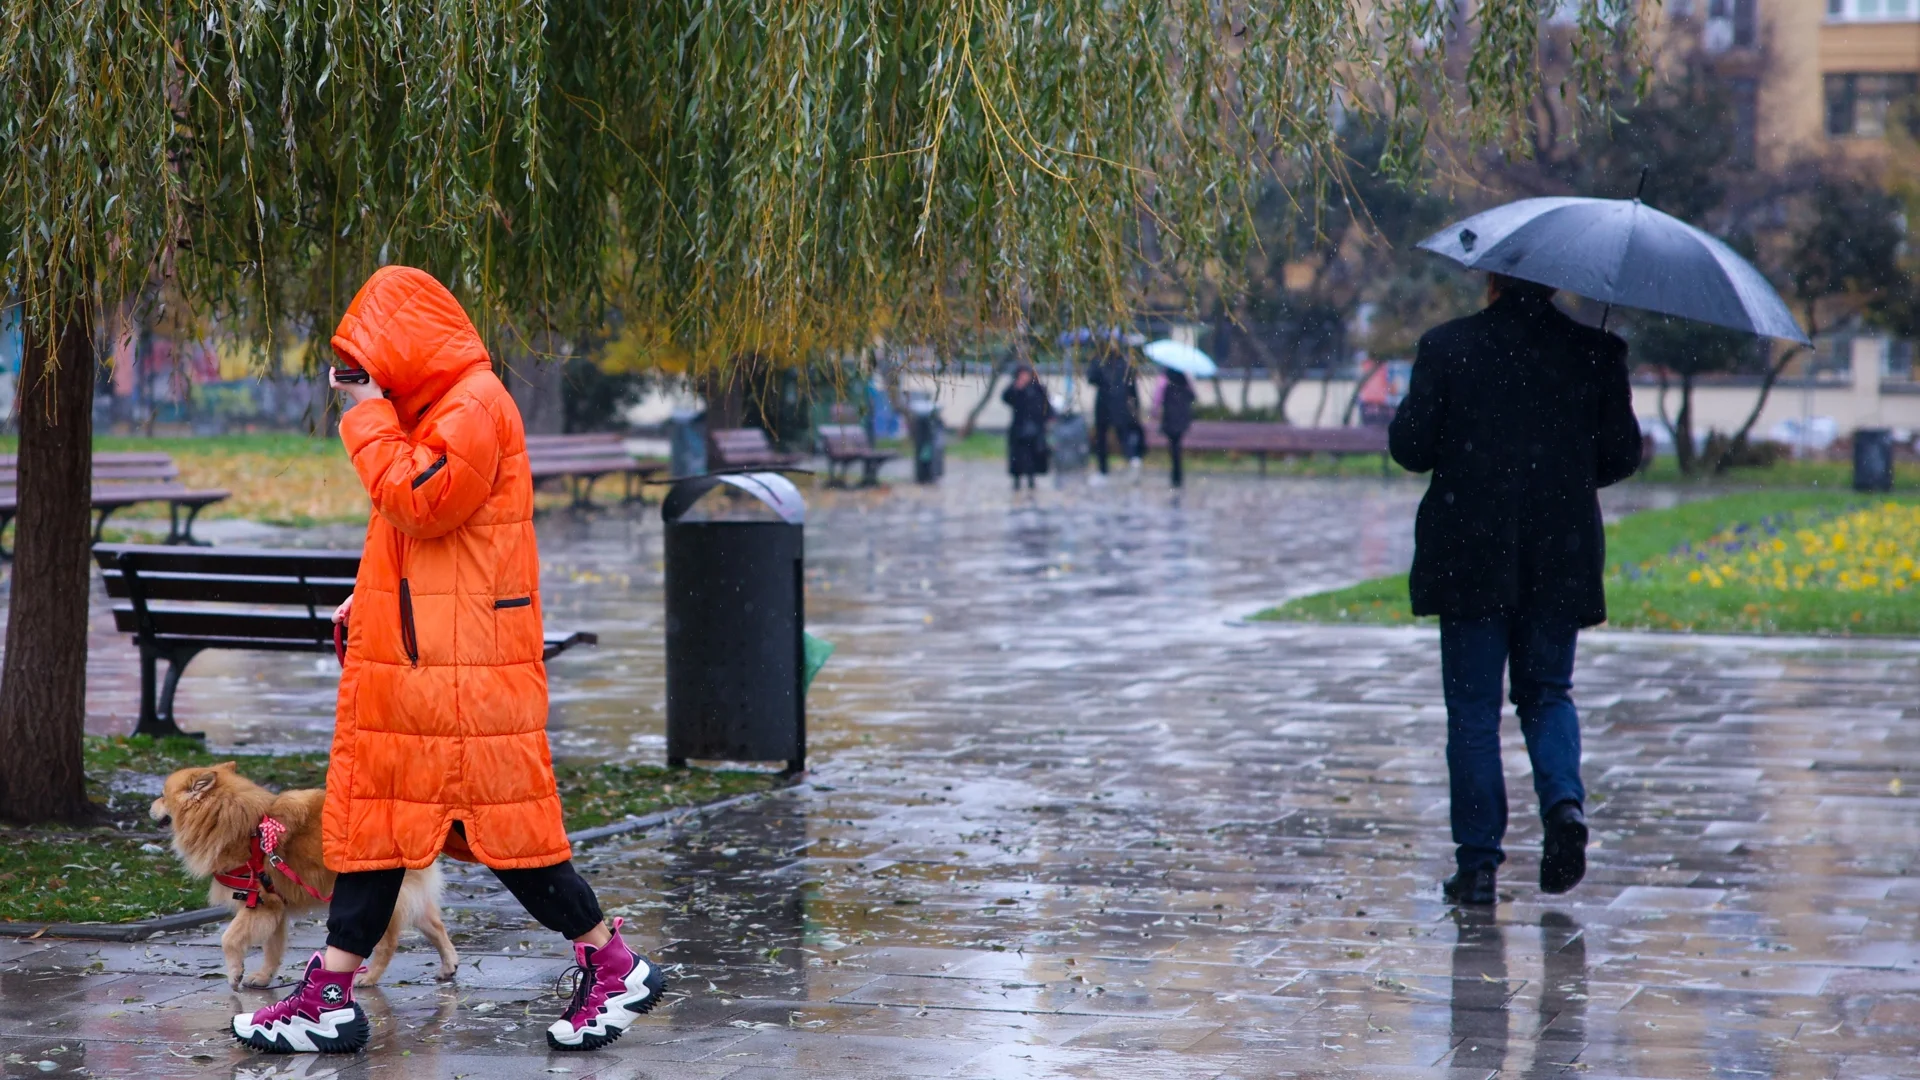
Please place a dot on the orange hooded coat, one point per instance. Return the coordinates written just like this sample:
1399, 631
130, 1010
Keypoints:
442, 714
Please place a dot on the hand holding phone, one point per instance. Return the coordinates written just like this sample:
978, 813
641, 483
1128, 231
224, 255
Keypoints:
354, 383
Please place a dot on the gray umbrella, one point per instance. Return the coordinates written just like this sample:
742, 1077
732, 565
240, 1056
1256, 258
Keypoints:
1620, 251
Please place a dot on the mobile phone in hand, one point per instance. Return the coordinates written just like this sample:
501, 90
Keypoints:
351, 375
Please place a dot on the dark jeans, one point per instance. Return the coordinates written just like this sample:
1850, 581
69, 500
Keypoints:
1132, 441
362, 906
1538, 653
1173, 451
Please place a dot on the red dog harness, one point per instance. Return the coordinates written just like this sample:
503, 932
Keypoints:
250, 880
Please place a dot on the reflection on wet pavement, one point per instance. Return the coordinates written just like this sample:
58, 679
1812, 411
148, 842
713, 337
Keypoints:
1068, 818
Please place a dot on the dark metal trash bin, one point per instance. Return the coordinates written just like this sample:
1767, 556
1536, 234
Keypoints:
735, 617
1070, 442
1873, 459
929, 443
687, 441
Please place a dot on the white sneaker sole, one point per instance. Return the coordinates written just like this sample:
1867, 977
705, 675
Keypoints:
644, 984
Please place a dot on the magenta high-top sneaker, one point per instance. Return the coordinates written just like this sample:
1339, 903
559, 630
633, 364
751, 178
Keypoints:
319, 1017
616, 986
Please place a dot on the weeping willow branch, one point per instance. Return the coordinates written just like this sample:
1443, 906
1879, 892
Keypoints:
741, 176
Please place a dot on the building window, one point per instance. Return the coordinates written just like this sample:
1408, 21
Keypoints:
1742, 95
1896, 363
1859, 106
1734, 24
1873, 10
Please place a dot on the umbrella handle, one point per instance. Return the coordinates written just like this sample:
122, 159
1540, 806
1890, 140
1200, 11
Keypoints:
1604, 312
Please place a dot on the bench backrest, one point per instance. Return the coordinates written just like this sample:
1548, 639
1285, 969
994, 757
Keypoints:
844, 439
1253, 437
128, 467
229, 593
737, 443
597, 441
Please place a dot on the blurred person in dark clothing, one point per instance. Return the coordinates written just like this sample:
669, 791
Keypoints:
1176, 416
1027, 431
1521, 414
1116, 405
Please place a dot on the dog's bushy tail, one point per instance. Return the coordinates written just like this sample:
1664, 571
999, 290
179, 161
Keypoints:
420, 890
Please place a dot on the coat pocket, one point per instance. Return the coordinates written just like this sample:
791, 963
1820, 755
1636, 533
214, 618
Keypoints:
430, 470
514, 602
408, 639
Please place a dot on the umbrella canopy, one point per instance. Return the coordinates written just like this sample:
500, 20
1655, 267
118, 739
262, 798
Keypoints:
1186, 359
1623, 252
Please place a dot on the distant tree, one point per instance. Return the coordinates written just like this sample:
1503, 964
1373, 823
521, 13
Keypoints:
1344, 245
1841, 257
1685, 349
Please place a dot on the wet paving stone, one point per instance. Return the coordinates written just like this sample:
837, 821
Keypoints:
1070, 816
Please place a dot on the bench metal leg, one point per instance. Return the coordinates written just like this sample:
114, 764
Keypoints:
583, 492
870, 475
100, 523
156, 711
179, 532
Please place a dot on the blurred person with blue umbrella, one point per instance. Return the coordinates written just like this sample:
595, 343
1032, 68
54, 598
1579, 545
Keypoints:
1176, 397
1521, 414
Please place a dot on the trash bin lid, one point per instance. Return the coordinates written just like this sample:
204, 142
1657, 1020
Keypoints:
772, 489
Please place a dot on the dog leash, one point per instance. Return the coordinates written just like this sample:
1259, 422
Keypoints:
250, 880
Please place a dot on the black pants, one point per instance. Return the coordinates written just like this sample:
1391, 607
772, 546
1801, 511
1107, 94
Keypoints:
556, 896
1173, 451
1123, 432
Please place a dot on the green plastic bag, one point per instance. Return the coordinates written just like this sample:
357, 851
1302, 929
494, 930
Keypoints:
815, 651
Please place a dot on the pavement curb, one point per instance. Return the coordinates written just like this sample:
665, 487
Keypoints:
187, 920
132, 931
675, 815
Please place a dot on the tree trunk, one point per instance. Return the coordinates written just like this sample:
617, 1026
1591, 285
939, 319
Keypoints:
1725, 461
1682, 427
537, 385
973, 414
43, 683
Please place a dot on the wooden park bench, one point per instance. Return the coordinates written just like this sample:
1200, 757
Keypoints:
735, 448
1264, 440
121, 480
178, 602
581, 460
847, 445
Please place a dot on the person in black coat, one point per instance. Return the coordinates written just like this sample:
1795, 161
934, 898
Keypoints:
1027, 433
1521, 414
1116, 404
1176, 416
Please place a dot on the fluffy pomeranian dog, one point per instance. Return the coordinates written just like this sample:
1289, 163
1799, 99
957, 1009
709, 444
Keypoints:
218, 818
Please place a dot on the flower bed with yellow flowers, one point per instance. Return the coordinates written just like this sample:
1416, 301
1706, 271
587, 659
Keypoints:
1825, 569
1757, 562
1868, 550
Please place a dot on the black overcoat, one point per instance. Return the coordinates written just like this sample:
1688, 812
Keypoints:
1176, 406
1027, 431
1522, 414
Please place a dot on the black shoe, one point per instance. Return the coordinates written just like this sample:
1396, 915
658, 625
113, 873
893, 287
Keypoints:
1563, 857
1470, 887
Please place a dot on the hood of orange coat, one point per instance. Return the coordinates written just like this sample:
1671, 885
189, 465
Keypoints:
412, 336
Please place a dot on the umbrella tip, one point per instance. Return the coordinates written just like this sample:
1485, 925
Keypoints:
1642, 186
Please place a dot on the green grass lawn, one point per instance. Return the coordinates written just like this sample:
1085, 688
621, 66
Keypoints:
124, 870
1634, 602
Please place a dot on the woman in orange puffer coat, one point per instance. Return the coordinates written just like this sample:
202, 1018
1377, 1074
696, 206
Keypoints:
440, 738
